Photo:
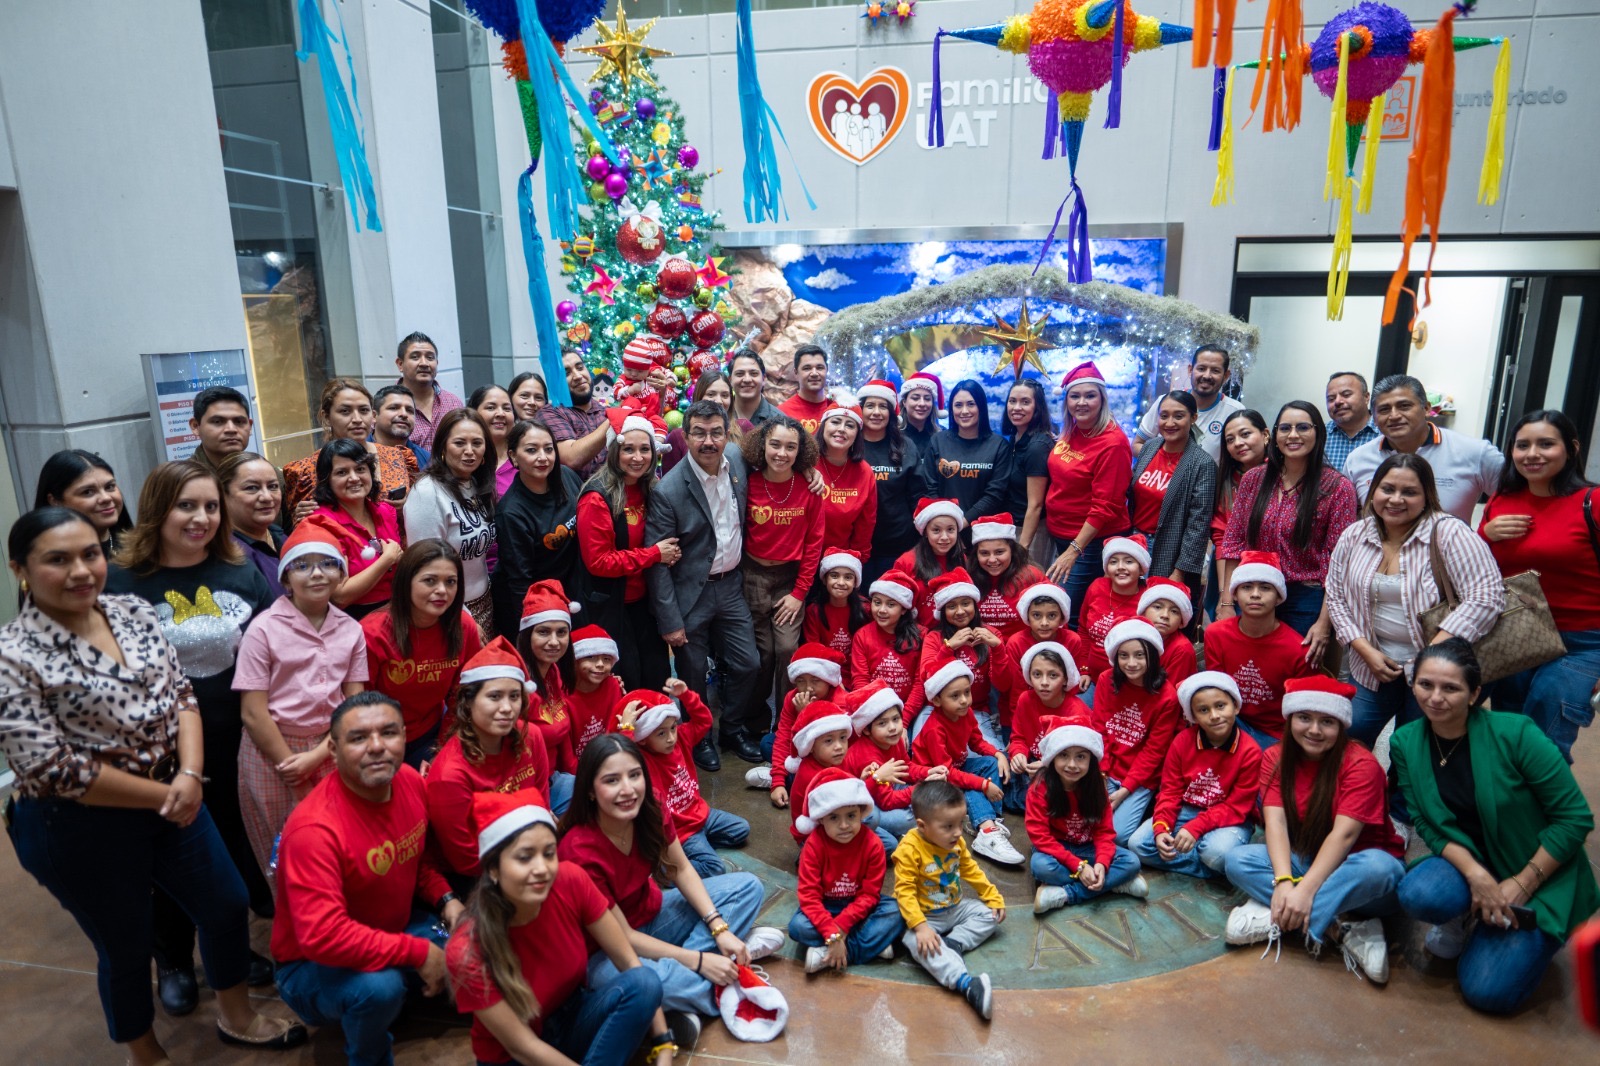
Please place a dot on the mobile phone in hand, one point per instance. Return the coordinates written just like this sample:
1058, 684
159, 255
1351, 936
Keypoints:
1524, 917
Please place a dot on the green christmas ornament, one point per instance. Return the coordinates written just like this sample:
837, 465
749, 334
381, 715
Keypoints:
674, 419
645, 291
703, 297
597, 192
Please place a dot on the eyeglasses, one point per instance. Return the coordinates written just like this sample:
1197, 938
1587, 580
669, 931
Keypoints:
315, 562
1290, 429
707, 434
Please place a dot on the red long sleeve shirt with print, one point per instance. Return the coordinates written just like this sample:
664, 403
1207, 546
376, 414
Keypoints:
833, 871
850, 505
1138, 726
453, 780
672, 775
1221, 782
785, 525
591, 712
873, 658
865, 752
1102, 608
935, 654
1051, 836
783, 736
943, 742
1027, 719
1259, 666
1005, 675
597, 541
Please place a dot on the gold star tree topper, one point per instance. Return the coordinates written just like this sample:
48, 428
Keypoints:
620, 48
1021, 341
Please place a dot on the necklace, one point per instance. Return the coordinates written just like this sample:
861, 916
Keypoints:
1444, 756
788, 492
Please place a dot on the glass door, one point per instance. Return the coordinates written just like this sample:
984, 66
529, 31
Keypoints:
1550, 355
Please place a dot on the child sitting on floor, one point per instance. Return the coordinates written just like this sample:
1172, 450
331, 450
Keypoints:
1113, 598
1166, 605
889, 649
1052, 694
879, 757
821, 739
1261, 653
1075, 853
816, 672
844, 918
1136, 711
595, 690
950, 738
1208, 785
835, 607
1044, 607
941, 923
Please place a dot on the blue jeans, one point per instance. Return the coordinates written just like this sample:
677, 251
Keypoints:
1371, 711
1556, 695
980, 808
1302, 608
561, 788
605, 1027
1265, 740
879, 929
1500, 968
1016, 797
1362, 885
1047, 870
1085, 568
1213, 590
364, 1003
1205, 860
423, 749
1130, 814
891, 826
722, 830
100, 864
738, 897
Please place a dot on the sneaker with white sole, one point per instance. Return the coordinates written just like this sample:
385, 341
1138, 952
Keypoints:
887, 953
994, 844
759, 777
685, 1029
1047, 898
980, 993
816, 960
763, 941
1365, 951
1449, 940
1248, 923
1136, 886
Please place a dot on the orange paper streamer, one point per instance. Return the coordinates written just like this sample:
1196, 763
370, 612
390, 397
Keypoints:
1429, 162
1200, 49
1283, 66
1225, 11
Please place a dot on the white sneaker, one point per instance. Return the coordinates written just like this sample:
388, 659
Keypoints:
1137, 887
1402, 830
994, 844
1248, 923
1366, 953
1048, 897
816, 960
887, 953
759, 777
763, 941
1449, 940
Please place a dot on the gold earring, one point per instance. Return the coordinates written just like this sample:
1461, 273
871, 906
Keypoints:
23, 582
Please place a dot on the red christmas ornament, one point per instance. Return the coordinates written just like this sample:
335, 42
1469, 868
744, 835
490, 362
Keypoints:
676, 279
701, 361
706, 328
667, 320
640, 239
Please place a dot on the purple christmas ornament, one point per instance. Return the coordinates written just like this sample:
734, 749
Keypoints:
646, 107
598, 167
565, 310
616, 186
689, 156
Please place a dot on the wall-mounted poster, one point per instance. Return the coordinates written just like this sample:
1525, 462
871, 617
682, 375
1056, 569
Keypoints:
173, 379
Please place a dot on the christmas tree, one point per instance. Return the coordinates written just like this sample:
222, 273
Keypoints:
644, 271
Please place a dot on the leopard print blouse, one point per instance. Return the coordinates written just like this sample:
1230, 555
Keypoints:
67, 709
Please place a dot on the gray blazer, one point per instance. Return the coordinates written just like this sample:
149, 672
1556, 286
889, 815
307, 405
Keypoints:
678, 508
1183, 532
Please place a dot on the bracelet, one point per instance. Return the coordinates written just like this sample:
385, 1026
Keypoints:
1281, 878
718, 929
1537, 872
832, 940
196, 775
1074, 546
664, 1044
712, 918
1161, 825
1522, 886
625, 728
700, 958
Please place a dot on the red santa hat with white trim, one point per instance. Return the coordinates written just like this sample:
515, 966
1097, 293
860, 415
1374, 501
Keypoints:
819, 661
819, 718
655, 708
840, 559
627, 419
500, 816
951, 585
1164, 588
592, 640
1063, 733
1259, 566
844, 411
496, 659
927, 510
1133, 544
898, 586
993, 527
1044, 590
1084, 371
315, 535
868, 703
1132, 629
1190, 686
941, 678
1074, 676
878, 389
927, 381
1319, 694
546, 601
830, 790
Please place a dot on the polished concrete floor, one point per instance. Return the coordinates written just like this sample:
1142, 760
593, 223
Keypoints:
1117, 981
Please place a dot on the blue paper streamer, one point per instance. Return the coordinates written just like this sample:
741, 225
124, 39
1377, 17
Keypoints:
1052, 126
1079, 267
763, 186
936, 111
1219, 91
345, 122
544, 315
1118, 49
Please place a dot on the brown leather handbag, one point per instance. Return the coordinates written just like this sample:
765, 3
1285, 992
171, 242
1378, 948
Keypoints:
1525, 634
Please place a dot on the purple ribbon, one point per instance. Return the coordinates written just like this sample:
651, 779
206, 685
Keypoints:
936, 113
1114, 97
1052, 126
1219, 90
1079, 268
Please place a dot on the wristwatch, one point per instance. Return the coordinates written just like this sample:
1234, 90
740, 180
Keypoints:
444, 901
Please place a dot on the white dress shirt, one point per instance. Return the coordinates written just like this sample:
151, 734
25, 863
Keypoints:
724, 515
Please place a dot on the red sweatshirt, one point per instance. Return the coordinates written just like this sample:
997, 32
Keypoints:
935, 654
1221, 782
422, 681
1051, 836
349, 873
785, 525
552, 717
672, 775
946, 743
1101, 609
453, 780
807, 771
1138, 726
872, 657
833, 871
865, 752
1557, 546
1179, 659
805, 412
907, 564
998, 608
591, 712
850, 505
829, 625
1027, 715
1089, 479
597, 541
1259, 668
1005, 674
783, 736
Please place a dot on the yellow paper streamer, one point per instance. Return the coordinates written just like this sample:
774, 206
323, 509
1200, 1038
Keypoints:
1338, 164
1339, 271
1494, 149
1369, 158
1222, 191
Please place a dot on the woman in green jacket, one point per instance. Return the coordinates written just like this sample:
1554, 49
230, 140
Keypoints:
1498, 805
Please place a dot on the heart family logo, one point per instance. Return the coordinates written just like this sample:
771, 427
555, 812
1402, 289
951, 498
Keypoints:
381, 858
949, 468
761, 514
858, 119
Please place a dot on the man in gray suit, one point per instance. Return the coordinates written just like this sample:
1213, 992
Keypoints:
699, 603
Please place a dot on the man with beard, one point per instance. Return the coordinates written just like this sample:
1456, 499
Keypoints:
1208, 373
1350, 422
809, 404
395, 417
580, 429
352, 867
699, 602
418, 360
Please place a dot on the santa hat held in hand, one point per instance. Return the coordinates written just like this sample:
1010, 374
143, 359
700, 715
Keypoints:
1164, 588
952, 585
868, 703
1133, 545
898, 586
1319, 694
315, 535
496, 659
592, 640
927, 510
1190, 686
546, 601
818, 719
818, 660
830, 790
1259, 566
878, 389
1063, 733
840, 559
500, 816
656, 708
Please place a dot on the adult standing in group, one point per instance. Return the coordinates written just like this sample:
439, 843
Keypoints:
783, 545
1542, 518
1244, 447
1174, 492
454, 502
529, 395
394, 415
347, 492
81, 481
1027, 427
1382, 576
535, 523
580, 427
362, 905
613, 510
810, 402
181, 559
921, 396
699, 604
850, 488
969, 462
1295, 506
102, 731
1350, 423
1091, 467
1465, 468
898, 474
748, 376
221, 423
418, 360
1506, 823
493, 405
1208, 373
346, 413
711, 385
252, 496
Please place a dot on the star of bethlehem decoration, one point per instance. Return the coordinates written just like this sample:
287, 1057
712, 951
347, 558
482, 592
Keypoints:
1021, 341
620, 48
